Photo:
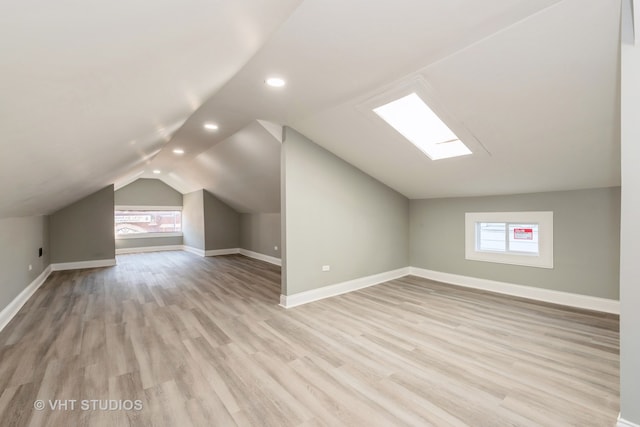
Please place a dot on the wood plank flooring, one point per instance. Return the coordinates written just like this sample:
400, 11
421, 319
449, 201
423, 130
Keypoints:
202, 342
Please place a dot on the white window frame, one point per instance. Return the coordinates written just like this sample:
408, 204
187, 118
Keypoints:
544, 219
147, 208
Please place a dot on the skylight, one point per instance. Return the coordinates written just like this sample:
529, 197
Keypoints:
414, 120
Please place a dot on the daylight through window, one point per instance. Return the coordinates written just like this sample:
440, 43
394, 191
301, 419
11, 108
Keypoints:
507, 237
519, 238
137, 223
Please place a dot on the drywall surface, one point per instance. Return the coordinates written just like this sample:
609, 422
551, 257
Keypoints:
337, 216
84, 230
147, 242
193, 219
630, 231
221, 224
20, 239
586, 239
147, 192
261, 233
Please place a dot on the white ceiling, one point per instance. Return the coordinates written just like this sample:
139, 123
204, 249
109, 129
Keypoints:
91, 90
92, 95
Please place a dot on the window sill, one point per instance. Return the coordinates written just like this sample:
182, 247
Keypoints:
526, 260
544, 257
147, 235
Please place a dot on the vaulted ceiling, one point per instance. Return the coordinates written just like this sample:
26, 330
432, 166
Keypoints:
94, 93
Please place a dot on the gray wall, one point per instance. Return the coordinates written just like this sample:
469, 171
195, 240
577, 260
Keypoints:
20, 239
148, 192
148, 242
221, 224
586, 239
193, 219
84, 230
630, 232
261, 233
339, 216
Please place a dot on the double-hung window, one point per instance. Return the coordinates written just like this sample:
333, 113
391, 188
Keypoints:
520, 238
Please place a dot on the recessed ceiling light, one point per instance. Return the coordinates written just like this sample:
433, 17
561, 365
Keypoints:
414, 120
156, 171
211, 126
275, 82
178, 151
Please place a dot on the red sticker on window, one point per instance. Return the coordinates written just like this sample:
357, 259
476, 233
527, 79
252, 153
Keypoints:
523, 233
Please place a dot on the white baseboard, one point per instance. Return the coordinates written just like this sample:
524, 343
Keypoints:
261, 257
216, 252
210, 252
538, 294
123, 251
289, 301
14, 306
624, 423
232, 251
83, 264
196, 251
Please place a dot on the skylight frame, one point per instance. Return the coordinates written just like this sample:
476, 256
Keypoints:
412, 118
418, 84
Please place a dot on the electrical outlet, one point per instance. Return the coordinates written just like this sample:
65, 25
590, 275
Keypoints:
326, 268
30, 267
275, 248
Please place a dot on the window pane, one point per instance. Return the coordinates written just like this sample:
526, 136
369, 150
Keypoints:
138, 222
523, 238
491, 236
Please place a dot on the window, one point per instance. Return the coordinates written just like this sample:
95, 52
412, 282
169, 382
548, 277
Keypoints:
414, 120
507, 238
148, 222
520, 238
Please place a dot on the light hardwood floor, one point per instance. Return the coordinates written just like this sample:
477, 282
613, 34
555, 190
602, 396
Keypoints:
202, 341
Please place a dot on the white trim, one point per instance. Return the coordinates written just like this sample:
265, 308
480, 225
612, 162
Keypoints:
147, 235
216, 252
147, 208
14, 306
83, 264
289, 301
123, 251
210, 252
196, 251
429, 96
624, 423
538, 294
544, 219
261, 257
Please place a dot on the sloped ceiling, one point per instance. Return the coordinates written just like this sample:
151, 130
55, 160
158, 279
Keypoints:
92, 90
98, 95
243, 171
